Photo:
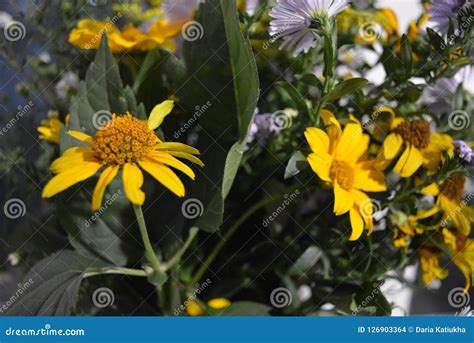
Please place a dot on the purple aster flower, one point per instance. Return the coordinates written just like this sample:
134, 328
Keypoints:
293, 21
441, 94
464, 151
178, 11
441, 10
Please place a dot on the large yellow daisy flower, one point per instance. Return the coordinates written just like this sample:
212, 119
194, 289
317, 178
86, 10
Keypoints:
420, 145
456, 210
340, 157
50, 129
129, 144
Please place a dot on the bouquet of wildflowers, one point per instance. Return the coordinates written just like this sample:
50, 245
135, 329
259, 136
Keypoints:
206, 157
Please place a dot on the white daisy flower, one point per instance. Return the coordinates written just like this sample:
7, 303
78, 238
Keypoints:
295, 20
68, 85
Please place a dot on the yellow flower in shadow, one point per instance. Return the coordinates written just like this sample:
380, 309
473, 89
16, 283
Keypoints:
462, 254
449, 199
340, 158
128, 144
430, 268
88, 34
420, 146
194, 308
50, 129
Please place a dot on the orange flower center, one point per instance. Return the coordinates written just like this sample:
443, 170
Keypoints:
343, 173
416, 132
453, 187
123, 140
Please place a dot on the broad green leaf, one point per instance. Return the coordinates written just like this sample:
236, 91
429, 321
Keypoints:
221, 69
158, 78
52, 285
344, 88
407, 58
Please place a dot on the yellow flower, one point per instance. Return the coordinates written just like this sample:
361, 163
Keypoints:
462, 254
415, 28
340, 157
430, 268
450, 200
129, 144
88, 34
50, 129
421, 146
194, 308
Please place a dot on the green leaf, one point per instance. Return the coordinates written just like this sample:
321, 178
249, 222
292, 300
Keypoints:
52, 285
159, 77
344, 88
310, 80
296, 163
306, 261
244, 308
295, 95
221, 69
407, 57
436, 40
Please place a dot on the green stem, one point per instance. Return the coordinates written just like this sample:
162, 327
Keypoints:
177, 257
117, 270
233, 229
150, 253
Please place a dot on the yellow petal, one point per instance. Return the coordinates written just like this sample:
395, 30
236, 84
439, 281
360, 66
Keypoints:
365, 207
343, 200
194, 309
186, 156
165, 176
71, 158
70, 177
105, 178
369, 179
169, 160
409, 162
175, 146
391, 146
317, 139
158, 114
333, 128
132, 181
347, 145
357, 224
431, 189
321, 164
81, 136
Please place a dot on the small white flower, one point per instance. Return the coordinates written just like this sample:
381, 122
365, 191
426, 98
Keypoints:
5, 19
294, 19
68, 85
